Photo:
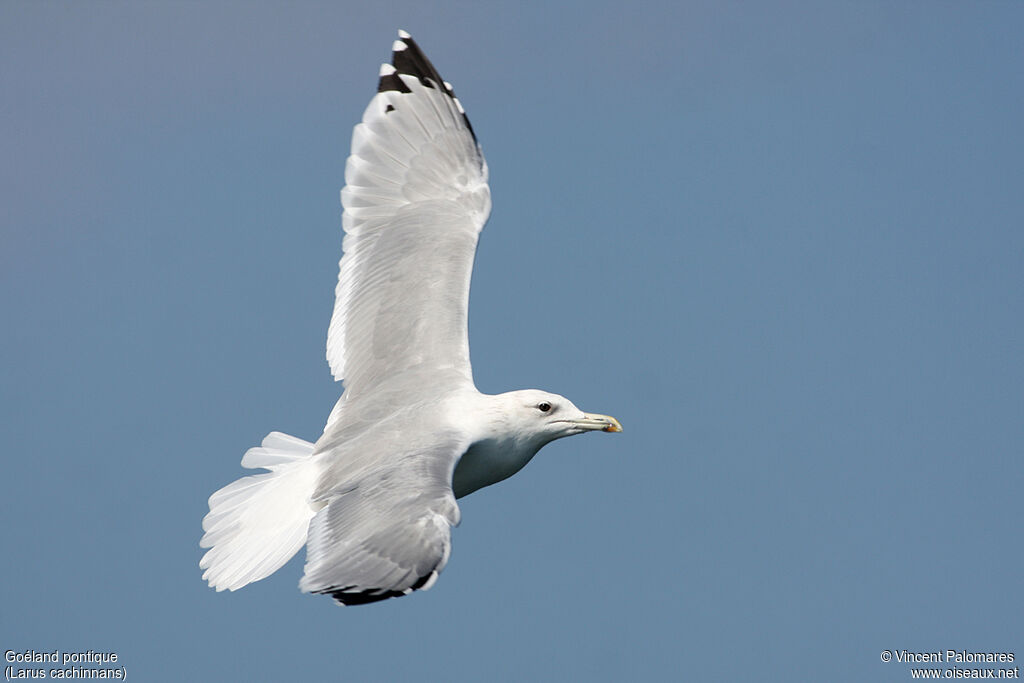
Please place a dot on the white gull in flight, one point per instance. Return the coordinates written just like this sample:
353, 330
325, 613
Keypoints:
373, 500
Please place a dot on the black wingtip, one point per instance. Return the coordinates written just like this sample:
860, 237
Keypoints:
408, 59
346, 595
392, 82
348, 598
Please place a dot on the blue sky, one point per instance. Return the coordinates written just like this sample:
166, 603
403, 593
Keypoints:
781, 243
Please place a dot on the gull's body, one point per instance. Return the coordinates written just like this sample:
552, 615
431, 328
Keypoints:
374, 498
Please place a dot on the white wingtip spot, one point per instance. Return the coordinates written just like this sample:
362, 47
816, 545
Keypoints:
386, 70
403, 34
398, 46
430, 582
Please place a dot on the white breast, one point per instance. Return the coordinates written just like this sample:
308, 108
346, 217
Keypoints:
488, 462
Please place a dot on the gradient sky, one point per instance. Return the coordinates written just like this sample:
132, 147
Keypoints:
781, 242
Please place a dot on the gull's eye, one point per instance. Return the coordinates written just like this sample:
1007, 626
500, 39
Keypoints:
544, 407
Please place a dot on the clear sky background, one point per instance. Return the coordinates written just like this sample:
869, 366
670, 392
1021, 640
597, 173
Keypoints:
781, 242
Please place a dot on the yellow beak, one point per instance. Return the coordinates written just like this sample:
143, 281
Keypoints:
593, 421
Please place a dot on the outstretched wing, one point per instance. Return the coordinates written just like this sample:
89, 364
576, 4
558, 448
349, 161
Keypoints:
415, 200
388, 533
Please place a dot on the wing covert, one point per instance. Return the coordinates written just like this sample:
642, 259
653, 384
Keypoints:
387, 533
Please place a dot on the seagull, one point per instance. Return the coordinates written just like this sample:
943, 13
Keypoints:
373, 500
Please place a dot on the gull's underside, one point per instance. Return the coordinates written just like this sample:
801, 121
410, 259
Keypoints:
374, 498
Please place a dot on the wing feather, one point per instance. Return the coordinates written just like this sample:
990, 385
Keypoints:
387, 533
415, 200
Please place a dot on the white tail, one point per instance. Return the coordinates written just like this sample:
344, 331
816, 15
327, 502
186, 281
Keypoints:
258, 523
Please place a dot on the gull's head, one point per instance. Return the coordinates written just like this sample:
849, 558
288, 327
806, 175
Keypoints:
542, 417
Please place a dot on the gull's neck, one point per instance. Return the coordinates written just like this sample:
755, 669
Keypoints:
499, 448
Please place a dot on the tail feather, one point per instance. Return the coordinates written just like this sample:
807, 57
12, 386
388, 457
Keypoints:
259, 522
